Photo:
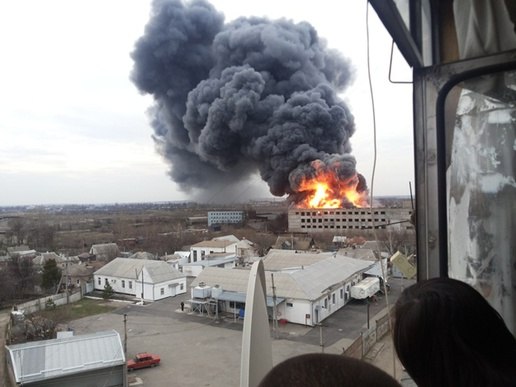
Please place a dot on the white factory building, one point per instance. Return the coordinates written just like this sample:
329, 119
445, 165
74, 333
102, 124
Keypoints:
308, 287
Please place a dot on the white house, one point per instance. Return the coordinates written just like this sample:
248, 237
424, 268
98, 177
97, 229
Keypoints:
105, 251
150, 280
304, 294
200, 250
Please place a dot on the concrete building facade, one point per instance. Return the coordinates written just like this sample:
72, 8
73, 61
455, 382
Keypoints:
225, 217
339, 219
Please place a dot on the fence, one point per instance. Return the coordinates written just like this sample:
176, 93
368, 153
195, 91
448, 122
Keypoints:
367, 339
41, 303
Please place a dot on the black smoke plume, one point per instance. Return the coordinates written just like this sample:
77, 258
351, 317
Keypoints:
250, 95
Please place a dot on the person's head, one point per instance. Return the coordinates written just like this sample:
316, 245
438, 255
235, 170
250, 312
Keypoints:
446, 334
325, 370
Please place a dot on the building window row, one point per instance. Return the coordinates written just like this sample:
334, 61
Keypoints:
336, 220
345, 212
309, 226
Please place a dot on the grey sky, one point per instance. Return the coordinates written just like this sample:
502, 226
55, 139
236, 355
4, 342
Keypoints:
74, 129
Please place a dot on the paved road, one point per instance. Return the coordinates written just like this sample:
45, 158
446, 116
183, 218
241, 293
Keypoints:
199, 351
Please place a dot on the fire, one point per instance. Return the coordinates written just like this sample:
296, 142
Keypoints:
327, 191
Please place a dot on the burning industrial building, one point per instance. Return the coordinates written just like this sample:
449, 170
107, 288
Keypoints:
252, 95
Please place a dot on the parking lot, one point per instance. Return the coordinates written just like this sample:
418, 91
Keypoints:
200, 351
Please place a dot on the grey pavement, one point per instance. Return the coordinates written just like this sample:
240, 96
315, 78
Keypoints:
201, 351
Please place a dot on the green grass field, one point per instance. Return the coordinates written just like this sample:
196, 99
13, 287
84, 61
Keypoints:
82, 308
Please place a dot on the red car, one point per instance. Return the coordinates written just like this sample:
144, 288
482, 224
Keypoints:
143, 360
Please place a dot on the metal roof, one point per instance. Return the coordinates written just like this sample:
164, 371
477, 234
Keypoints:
47, 359
358, 252
216, 244
376, 269
321, 276
230, 238
277, 259
305, 284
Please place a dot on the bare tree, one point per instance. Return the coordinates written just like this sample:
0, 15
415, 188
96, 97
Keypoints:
17, 231
393, 240
21, 271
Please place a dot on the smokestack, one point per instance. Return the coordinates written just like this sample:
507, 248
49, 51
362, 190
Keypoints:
233, 99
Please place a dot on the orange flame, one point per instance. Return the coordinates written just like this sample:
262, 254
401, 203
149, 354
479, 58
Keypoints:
327, 191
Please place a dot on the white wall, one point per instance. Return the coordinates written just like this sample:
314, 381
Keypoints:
232, 248
151, 292
335, 299
297, 312
116, 283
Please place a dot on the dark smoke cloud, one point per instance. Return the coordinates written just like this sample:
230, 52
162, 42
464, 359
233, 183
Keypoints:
233, 99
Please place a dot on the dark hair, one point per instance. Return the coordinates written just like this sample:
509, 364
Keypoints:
447, 334
326, 370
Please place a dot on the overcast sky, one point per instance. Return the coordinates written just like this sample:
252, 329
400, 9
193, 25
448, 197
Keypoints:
74, 129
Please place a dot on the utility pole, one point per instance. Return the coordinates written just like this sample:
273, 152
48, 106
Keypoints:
66, 283
274, 311
125, 334
142, 285
125, 383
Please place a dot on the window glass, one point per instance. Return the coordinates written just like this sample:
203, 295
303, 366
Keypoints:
481, 188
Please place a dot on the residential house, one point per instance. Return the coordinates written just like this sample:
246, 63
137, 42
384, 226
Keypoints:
95, 359
61, 261
105, 251
80, 276
86, 257
147, 279
303, 294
